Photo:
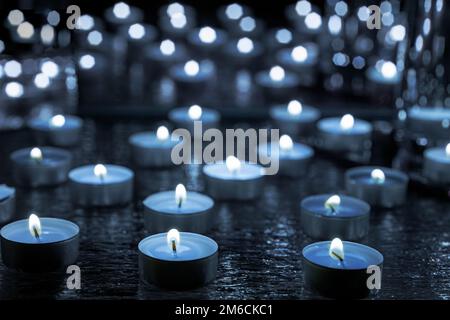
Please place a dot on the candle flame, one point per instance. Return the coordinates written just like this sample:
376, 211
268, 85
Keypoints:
245, 45
333, 203
388, 69
173, 239
36, 154
207, 35
167, 47
277, 73
234, 11
58, 121
447, 150
286, 143
191, 68
100, 171
34, 225
180, 194
195, 112
121, 10
178, 20
336, 250
299, 54
162, 133
378, 176
174, 8
294, 108
233, 164
347, 122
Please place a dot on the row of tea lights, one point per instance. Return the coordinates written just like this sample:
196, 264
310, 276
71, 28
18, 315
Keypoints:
189, 259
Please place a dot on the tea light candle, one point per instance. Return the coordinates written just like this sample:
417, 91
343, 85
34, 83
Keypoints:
7, 203
187, 117
178, 260
294, 158
234, 180
39, 167
59, 130
166, 53
277, 82
123, 14
190, 73
177, 24
326, 216
436, 165
149, 149
302, 60
39, 244
101, 185
207, 39
230, 15
295, 118
344, 134
191, 211
243, 53
432, 123
338, 269
378, 186
384, 73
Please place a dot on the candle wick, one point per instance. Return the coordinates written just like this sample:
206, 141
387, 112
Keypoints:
338, 256
174, 247
36, 233
180, 202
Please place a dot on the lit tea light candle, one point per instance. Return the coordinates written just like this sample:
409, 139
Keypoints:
436, 166
178, 260
39, 244
59, 130
243, 52
294, 158
123, 14
326, 216
7, 203
191, 68
192, 79
383, 187
101, 185
234, 180
165, 54
329, 267
295, 118
39, 167
278, 38
191, 211
384, 72
433, 123
344, 134
230, 15
207, 40
150, 149
277, 83
176, 21
187, 118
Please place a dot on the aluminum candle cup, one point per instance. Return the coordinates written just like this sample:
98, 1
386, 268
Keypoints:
333, 278
162, 212
149, 150
436, 166
431, 123
294, 118
207, 40
7, 203
54, 249
39, 167
193, 264
344, 134
378, 186
186, 118
245, 183
384, 80
294, 158
302, 60
101, 185
277, 83
60, 131
243, 53
165, 54
348, 220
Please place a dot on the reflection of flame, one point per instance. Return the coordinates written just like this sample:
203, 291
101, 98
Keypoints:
336, 250
34, 225
378, 175
173, 239
233, 164
347, 122
180, 194
333, 202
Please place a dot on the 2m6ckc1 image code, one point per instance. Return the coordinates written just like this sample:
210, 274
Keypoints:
225, 309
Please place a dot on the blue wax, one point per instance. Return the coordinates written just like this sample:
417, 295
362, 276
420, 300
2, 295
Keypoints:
192, 247
53, 230
429, 114
150, 140
298, 151
248, 171
349, 206
71, 122
182, 115
375, 75
437, 155
308, 114
165, 202
5, 192
178, 73
116, 174
50, 157
290, 80
332, 125
356, 256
